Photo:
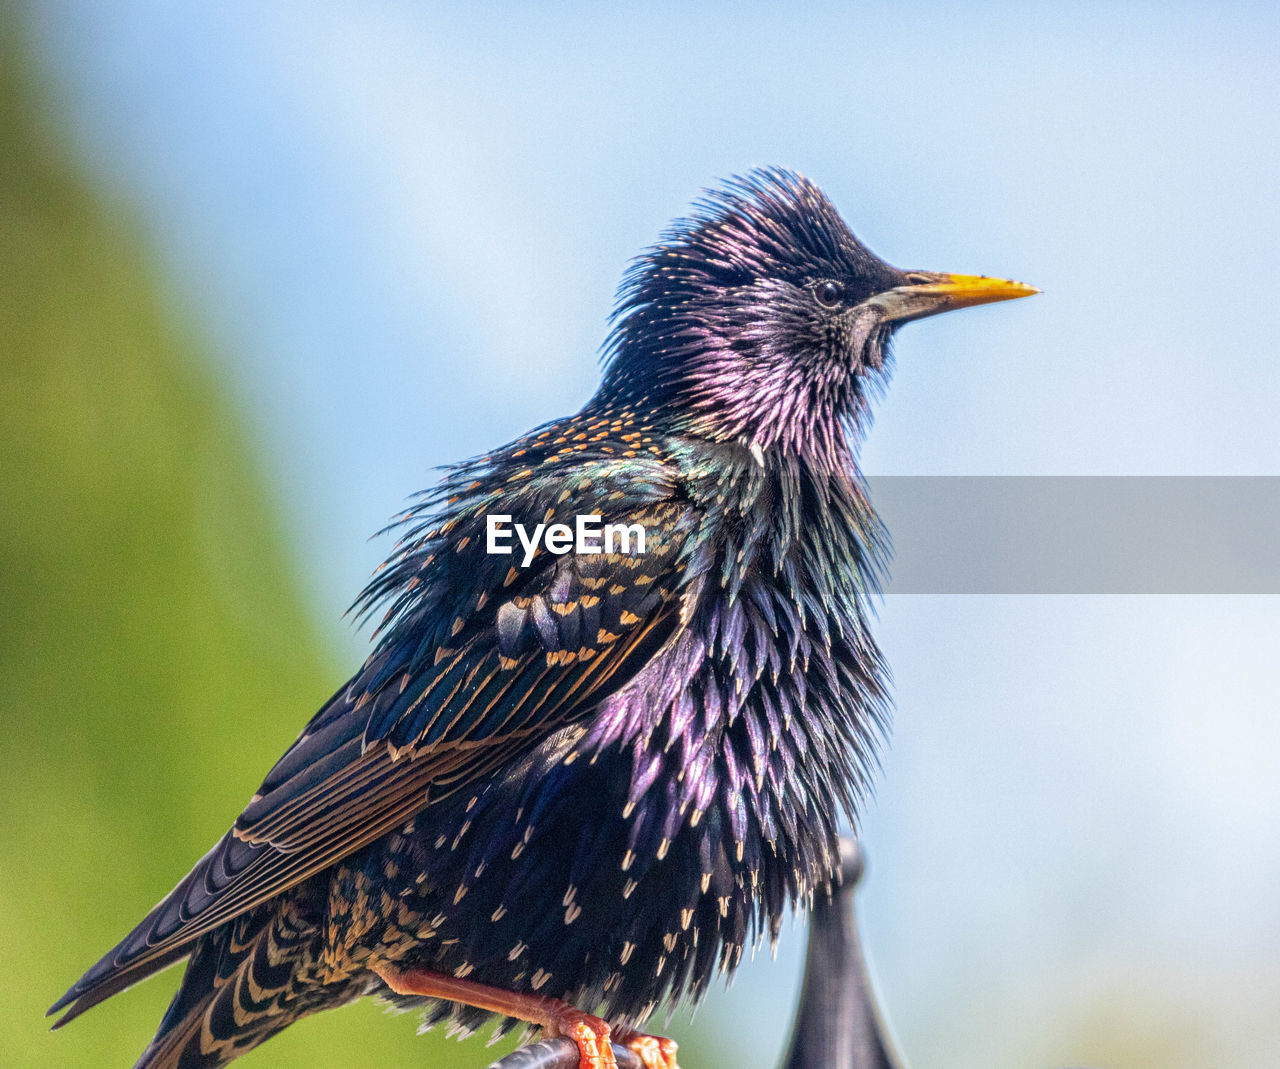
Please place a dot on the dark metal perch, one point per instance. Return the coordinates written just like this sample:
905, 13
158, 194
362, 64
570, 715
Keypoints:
837, 1025
558, 1054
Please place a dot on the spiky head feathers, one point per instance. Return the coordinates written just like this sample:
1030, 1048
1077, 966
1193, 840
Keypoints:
749, 320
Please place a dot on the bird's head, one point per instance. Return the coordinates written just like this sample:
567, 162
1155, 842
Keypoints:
761, 318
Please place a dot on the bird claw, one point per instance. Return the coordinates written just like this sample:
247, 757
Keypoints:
655, 1052
595, 1041
590, 1033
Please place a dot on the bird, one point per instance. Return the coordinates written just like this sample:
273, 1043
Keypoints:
570, 786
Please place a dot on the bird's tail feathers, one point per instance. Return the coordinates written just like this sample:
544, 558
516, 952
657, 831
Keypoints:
241, 987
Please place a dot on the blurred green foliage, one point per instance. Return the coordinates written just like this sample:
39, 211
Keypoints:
155, 652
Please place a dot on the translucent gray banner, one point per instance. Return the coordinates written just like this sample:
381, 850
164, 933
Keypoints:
1081, 534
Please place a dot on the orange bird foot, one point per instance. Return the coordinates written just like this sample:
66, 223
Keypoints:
595, 1050
554, 1016
655, 1052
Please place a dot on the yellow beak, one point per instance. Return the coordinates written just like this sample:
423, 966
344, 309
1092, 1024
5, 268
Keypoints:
928, 293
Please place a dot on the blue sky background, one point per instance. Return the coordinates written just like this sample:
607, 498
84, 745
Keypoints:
402, 225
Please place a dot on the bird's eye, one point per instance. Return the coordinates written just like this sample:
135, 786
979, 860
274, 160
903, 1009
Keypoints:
828, 293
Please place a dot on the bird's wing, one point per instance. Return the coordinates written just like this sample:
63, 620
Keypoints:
540, 648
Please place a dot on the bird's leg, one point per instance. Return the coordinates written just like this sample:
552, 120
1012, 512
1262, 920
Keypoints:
655, 1052
553, 1016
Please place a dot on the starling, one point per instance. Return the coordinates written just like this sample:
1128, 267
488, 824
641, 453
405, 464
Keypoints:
579, 779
